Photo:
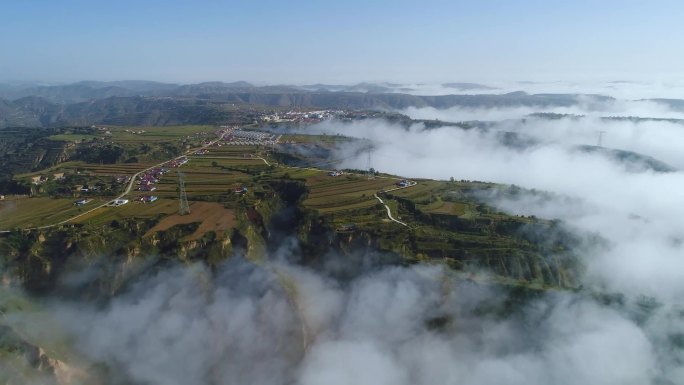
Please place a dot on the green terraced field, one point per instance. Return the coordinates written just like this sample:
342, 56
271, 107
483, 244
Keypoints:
73, 137
159, 134
33, 212
346, 192
131, 210
441, 207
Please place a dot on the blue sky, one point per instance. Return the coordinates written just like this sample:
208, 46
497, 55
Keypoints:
338, 42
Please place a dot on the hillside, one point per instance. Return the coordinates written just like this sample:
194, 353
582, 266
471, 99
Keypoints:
632, 161
322, 214
210, 103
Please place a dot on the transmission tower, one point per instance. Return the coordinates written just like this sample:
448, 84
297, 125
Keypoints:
184, 205
371, 171
600, 137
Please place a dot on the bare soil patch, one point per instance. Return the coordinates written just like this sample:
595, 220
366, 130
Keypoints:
211, 216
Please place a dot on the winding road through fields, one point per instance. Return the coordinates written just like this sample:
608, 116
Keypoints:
389, 212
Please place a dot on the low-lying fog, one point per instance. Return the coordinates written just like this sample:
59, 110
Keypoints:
639, 211
635, 89
386, 326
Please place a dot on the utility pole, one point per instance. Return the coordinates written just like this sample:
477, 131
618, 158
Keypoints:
184, 205
371, 171
600, 138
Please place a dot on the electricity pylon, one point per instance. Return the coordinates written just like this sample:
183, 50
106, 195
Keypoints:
600, 137
184, 205
371, 171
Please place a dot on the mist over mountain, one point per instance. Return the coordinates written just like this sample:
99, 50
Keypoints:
631, 160
467, 86
141, 102
153, 103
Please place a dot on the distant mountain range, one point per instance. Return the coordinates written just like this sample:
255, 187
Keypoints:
154, 103
89, 90
86, 90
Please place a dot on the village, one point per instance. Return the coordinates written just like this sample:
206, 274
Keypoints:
301, 116
237, 137
147, 181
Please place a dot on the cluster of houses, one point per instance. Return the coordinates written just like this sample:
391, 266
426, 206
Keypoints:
150, 178
147, 198
301, 117
38, 179
103, 130
176, 162
251, 138
82, 202
335, 173
200, 134
78, 188
226, 130
138, 132
144, 199
403, 183
121, 179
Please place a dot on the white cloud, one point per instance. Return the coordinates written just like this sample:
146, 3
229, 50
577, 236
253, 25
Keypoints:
240, 326
638, 212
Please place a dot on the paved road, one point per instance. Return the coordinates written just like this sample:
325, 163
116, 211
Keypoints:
410, 184
389, 213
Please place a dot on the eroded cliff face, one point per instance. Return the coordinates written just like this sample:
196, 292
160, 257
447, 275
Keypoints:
31, 364
80, 263
45, 261
98, 260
